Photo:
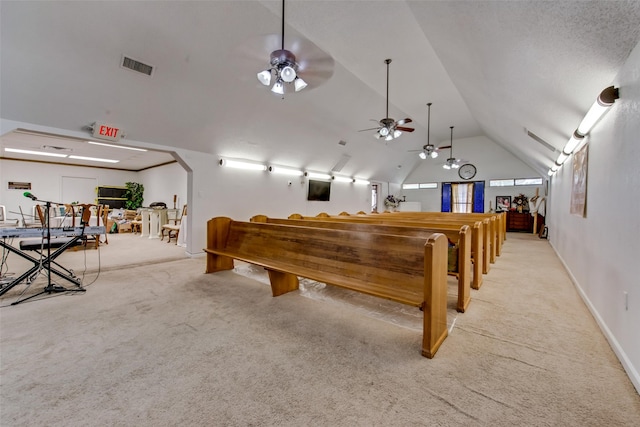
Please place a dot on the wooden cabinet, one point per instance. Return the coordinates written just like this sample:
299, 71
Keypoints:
519, 221
112, 196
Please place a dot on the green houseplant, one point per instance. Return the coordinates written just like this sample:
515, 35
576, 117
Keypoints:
134, 195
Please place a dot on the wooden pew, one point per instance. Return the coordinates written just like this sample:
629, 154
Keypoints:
410, 270
479, 239
490, 240
496, 227
500, 219
461, 237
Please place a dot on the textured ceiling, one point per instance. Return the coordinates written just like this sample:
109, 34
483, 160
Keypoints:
490, 68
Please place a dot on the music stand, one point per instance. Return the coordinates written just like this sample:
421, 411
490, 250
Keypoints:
52, 288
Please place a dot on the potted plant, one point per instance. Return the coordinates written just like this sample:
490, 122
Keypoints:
134, 195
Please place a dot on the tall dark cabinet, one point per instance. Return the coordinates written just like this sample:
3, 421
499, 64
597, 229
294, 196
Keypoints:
112, 196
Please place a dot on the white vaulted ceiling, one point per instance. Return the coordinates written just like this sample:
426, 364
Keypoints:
494, 69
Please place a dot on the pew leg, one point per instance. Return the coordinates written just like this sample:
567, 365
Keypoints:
435, 296
281, 283
218, 263
477, 275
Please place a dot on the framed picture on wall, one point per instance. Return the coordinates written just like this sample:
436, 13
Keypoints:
503, 203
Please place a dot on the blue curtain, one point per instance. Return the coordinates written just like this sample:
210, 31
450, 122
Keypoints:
478, 197
446, 197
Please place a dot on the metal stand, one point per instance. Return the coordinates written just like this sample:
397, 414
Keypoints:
52, 288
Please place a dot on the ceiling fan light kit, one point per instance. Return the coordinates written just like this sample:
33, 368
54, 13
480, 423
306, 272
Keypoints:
452, 162
284, 67
388, 128
428, 150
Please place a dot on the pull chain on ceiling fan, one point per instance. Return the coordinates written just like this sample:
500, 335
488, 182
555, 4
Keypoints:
390, 129
284, 67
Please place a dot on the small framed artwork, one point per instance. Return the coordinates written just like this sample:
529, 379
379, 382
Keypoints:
503, 203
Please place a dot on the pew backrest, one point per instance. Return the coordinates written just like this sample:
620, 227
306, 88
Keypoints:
460, 237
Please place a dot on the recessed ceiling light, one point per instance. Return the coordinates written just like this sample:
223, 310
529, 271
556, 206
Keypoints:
116, 146
93, 159
37, 153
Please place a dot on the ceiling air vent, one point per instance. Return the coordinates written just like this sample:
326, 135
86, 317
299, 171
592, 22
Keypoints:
540, 140
343, 160
138, 66
55, 148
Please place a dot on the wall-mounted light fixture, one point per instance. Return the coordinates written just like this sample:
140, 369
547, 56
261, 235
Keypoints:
239, 164
342, 178
361, 181
285, 171
316, 175
605, 100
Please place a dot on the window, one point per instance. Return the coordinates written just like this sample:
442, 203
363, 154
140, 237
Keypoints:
501, 183
462, 198
429, 185
529, 181
423, 185
512, 182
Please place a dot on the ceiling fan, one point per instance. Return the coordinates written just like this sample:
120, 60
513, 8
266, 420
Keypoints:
429, 150
452, 162
285, 69
390, 129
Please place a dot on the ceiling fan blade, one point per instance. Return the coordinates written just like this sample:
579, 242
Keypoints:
443, 147
364, 130
404, 129
403, 121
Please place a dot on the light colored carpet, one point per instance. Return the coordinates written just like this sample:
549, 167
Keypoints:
165, 345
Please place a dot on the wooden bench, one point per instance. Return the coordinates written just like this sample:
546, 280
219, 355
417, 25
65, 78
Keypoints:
498, 223
408, 270
492, 228
479, 239
461, 237
488, 253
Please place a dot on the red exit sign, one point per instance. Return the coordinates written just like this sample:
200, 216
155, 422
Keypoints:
105, 131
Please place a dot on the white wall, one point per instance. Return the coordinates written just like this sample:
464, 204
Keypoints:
241, 194
46, 182
491, 162
162, 183
601, 252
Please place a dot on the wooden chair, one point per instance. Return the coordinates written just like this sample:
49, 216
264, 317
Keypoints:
70, 211
40, 215
103, 214
173, 228
102, 211
136, 223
